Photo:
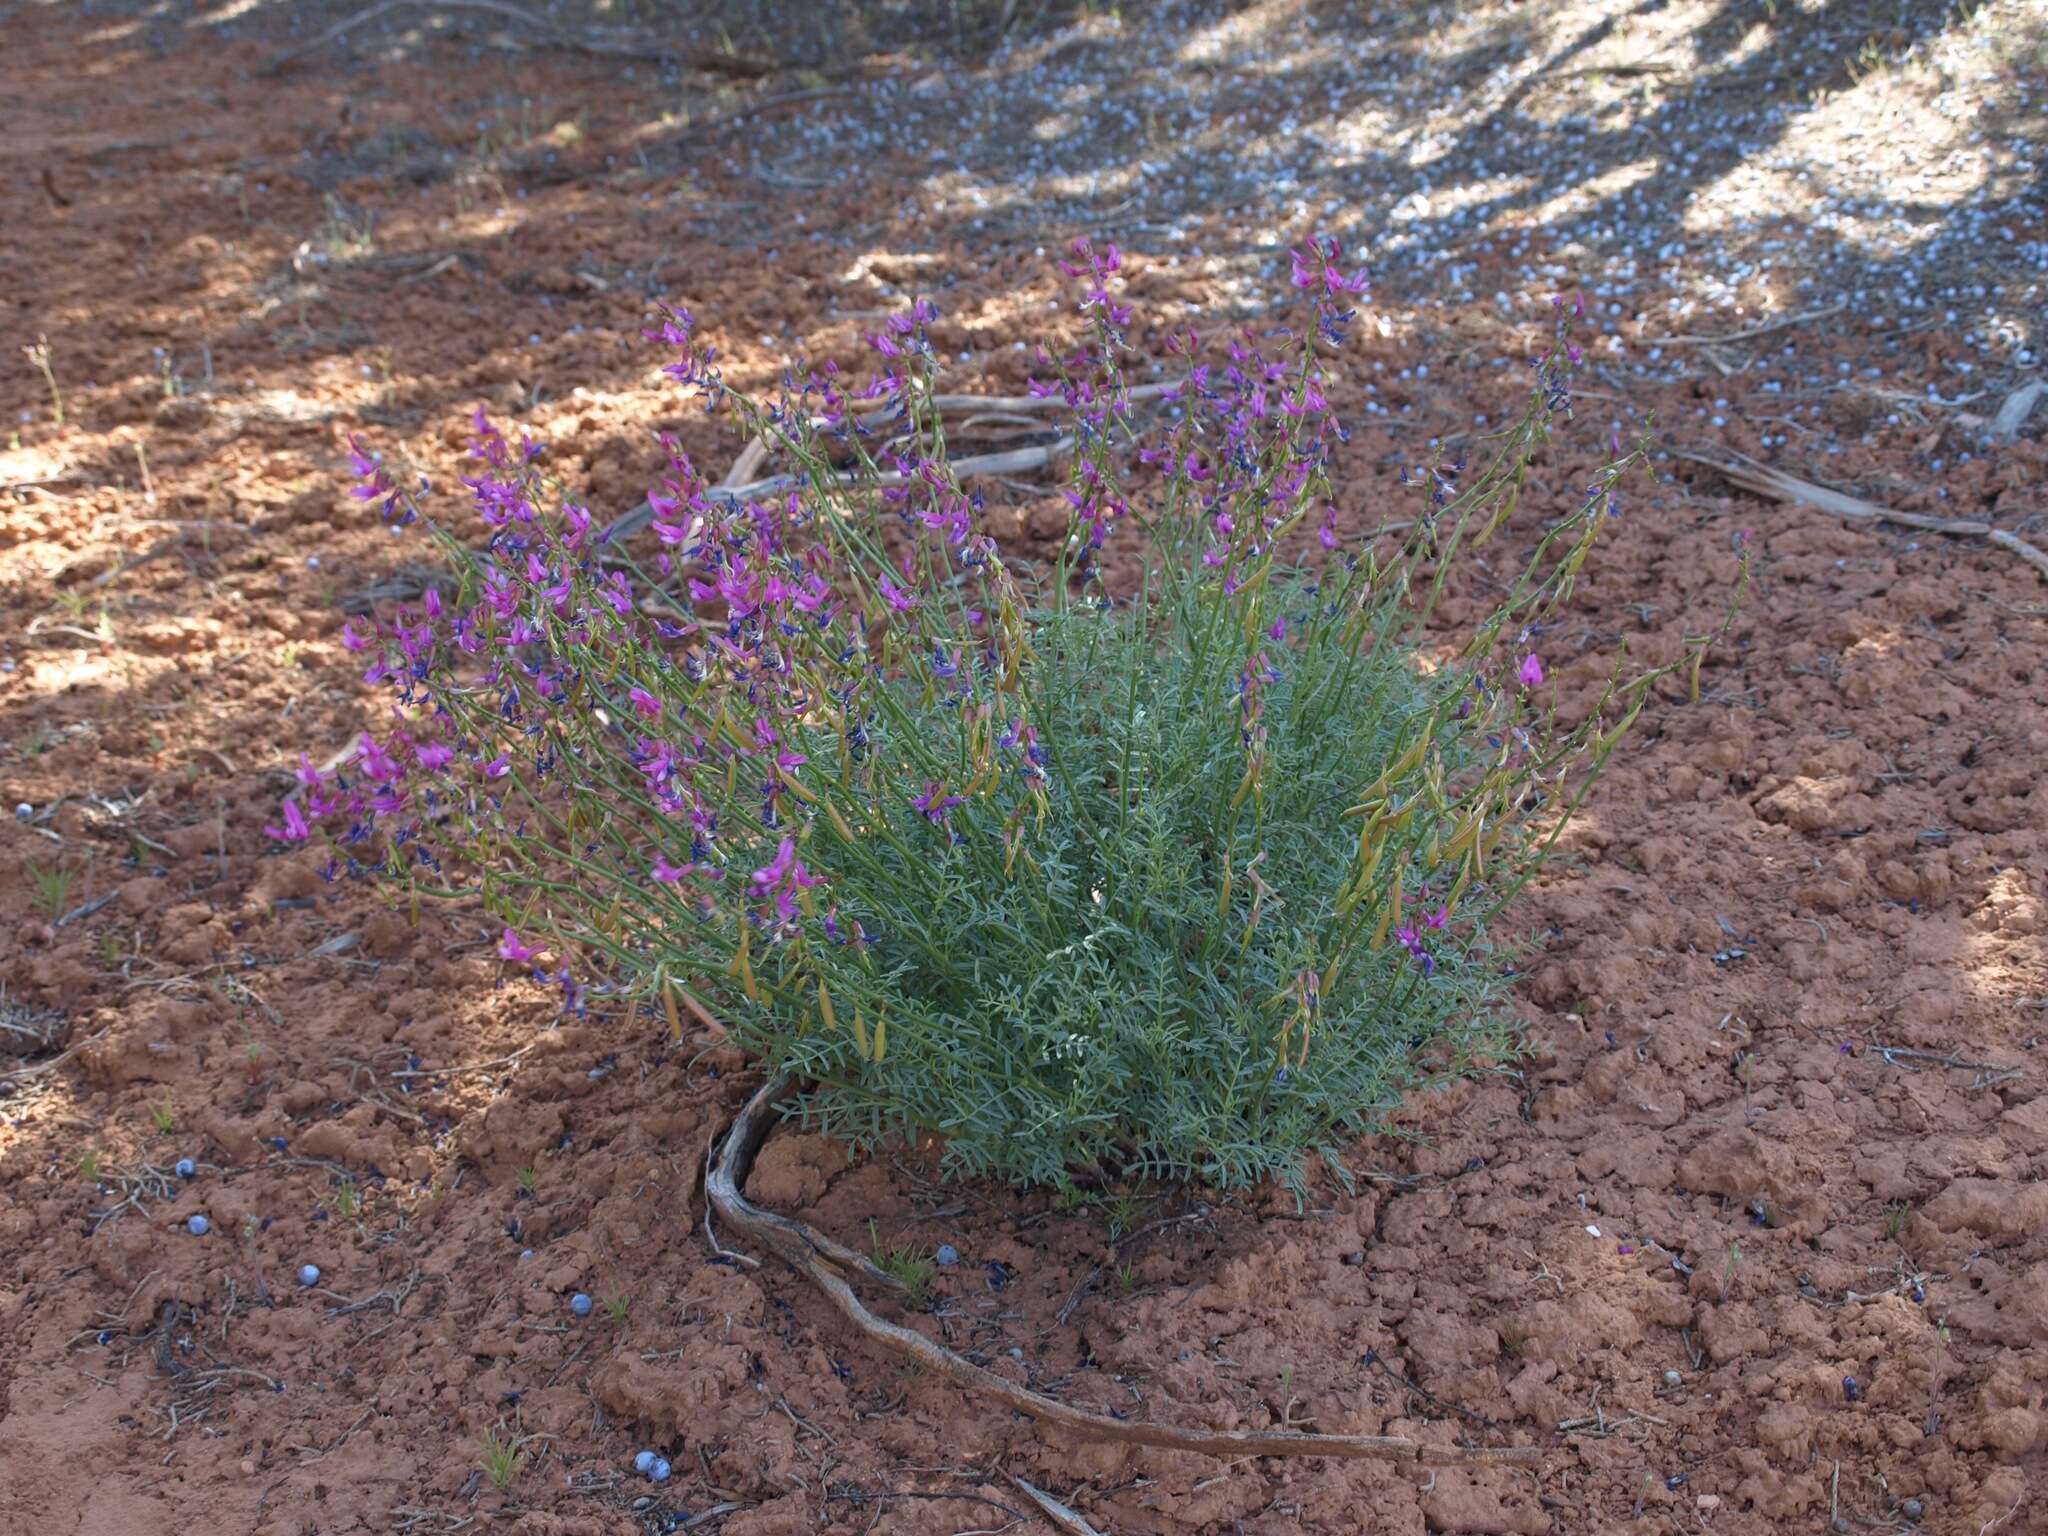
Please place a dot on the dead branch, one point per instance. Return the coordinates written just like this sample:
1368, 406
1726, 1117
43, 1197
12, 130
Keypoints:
1004, 463
710, 60
1061, 1515
1779, 486
736, 485
821, 1259
1749, 335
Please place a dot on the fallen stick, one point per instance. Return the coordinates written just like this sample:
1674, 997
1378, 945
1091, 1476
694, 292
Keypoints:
1749, 335
980, 464
821, 1260
1779, 486
1061, 1515
707, 59
736, 486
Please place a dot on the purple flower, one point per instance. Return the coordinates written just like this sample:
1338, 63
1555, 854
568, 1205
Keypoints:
1317, 267
1530, 675
935, 804
771, 873
648, 706
785, 874
896, 597
510, 948
294, 829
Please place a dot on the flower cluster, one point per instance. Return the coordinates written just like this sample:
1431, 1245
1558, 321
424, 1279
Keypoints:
1052, 859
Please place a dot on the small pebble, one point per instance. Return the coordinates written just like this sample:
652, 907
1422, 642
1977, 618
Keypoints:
644, 1462
1851, 1388
1675, 1482
659, 1471
526, 1253
309, 1274
1913, 1509
946, 1256
184, 1167
1673, 1379
248, 1467
581, 1304
198, 1226
1355, 1257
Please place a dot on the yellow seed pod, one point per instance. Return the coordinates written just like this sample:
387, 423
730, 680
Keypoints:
1462, 838
668, 1005
860, 1033
825, 1006
1244, 786
1379, 934
1223, 891
881, 1038
839, 821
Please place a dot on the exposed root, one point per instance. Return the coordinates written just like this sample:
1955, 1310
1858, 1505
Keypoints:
822, 1260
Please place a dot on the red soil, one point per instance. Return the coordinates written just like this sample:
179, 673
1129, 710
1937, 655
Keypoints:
1779, 1125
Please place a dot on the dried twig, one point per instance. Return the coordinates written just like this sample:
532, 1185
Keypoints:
821, 1260
1779, 486
980, 464
737, 486
711, 60
53, 1063
1751, 334
1067, 1519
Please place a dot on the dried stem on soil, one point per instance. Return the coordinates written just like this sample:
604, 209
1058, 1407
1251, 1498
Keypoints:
1779, 486
821, 1259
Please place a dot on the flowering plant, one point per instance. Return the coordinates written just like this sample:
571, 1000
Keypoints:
1161, 871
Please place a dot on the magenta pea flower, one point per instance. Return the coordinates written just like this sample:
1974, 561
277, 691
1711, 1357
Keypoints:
648, 706
935, 804
771, 873
1318, 267
510, 948
1530, 674
897, 597
294, 829
667, 873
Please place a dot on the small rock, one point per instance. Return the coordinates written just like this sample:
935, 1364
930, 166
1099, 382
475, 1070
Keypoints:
1355, 1257
1913, 1509
946, 1256
309, 1274
198, 1226
644, 1462
581, 1304
1673, 1379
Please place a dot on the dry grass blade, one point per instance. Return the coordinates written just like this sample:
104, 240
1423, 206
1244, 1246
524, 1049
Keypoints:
1779, 486
820, 1259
